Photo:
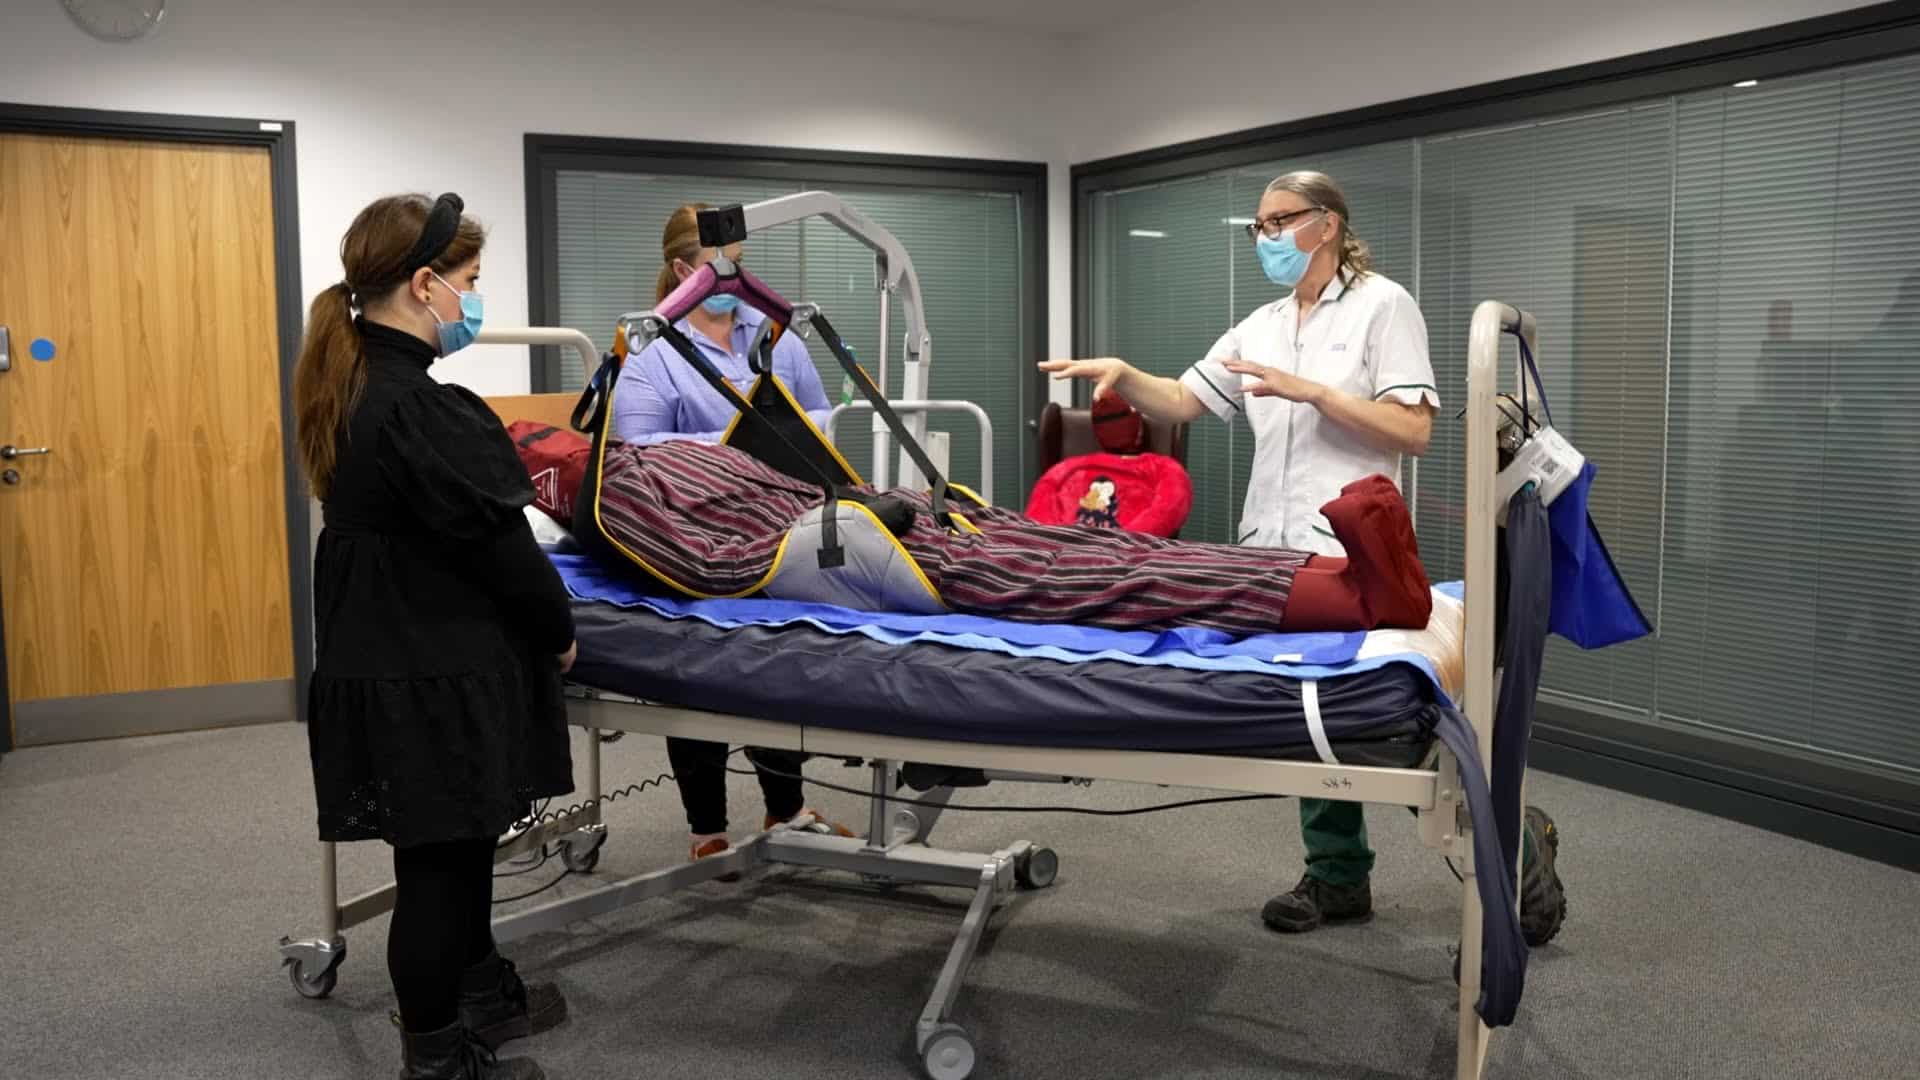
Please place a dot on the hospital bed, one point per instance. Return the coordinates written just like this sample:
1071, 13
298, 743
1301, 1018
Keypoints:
1363, 732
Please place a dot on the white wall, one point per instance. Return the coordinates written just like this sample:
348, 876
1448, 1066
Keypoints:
1227, 65
433, 95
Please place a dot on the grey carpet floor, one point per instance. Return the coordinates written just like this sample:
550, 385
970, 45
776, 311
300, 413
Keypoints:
144, 884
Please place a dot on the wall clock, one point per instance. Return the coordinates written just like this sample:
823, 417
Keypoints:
117, 20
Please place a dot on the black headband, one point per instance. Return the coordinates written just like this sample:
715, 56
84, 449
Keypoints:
443, 224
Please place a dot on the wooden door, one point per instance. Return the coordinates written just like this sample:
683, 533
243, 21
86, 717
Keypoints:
143, 559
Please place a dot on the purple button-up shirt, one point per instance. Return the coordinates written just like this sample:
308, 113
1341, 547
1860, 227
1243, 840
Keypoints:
660, 396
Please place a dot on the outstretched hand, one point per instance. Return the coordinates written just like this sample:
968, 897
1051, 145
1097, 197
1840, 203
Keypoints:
1276, 383
1105, 372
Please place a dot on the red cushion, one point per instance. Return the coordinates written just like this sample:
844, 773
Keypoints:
1148, 493
1380, 583
556, 461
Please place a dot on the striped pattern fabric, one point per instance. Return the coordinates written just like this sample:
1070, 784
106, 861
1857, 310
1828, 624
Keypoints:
704, 515
711, 518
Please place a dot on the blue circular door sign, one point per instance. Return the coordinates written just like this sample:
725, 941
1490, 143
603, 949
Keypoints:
42, 349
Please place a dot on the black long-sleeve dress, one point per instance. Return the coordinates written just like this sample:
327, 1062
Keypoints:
435, 711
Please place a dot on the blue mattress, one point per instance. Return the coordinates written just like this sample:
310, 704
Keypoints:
968, 679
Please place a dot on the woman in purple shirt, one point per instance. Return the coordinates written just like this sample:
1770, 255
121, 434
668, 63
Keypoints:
659, 397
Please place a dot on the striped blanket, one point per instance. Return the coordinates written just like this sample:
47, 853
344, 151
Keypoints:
712, 518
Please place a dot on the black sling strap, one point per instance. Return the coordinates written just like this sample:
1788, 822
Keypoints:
937, 483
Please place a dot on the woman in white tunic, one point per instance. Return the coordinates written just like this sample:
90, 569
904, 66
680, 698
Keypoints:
1335, 381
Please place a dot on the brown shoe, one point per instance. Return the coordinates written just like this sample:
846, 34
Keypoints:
713, 845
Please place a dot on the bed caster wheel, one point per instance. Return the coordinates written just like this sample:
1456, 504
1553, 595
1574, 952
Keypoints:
948, 1054
580, 851
313, 966
1036, 869
313, 985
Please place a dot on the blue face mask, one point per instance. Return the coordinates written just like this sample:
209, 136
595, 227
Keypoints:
1283, 260
720, 304
455, 336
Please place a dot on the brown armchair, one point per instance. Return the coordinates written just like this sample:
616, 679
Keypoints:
1066, 433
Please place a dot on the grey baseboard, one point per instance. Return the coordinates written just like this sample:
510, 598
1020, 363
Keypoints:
153, 712
1871, 831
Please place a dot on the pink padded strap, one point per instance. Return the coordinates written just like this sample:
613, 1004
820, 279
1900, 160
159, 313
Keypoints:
698, 286
706, 282
761, 295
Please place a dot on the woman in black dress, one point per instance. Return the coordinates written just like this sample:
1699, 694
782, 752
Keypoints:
435, 712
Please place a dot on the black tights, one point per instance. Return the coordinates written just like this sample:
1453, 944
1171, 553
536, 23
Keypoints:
442, 924
700, 769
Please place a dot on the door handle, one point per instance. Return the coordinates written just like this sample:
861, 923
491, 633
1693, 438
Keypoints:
10, 451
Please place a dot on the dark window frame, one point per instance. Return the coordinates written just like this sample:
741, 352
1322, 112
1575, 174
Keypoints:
547, 155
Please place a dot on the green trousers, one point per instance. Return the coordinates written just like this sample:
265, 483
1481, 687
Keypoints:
1335, 836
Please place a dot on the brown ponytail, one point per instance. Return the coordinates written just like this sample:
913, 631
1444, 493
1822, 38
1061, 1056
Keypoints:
333, 366
679, 240
332, 372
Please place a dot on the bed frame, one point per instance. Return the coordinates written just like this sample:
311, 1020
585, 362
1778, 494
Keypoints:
896, 848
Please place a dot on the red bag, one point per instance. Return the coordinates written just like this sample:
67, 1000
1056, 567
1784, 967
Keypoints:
1149, 493
556, 461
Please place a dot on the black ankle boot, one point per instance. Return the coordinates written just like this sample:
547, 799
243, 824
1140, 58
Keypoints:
499, 1007
454, 1053
1313, 902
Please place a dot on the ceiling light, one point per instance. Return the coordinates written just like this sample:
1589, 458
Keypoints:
1744, 83
1236, 221
1147, 234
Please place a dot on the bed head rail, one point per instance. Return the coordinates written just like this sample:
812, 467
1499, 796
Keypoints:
546, 335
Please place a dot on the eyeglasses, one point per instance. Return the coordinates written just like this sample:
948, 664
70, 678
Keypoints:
1271, 227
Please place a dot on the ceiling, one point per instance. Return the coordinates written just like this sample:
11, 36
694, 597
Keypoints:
1060, 18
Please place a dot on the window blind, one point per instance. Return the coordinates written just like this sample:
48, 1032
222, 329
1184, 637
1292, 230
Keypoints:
1793, 496
1567, 219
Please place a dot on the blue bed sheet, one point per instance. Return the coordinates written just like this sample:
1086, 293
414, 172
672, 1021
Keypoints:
1297, 656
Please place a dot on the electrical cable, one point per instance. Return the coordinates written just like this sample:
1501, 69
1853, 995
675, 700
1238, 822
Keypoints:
564, 872
543, 815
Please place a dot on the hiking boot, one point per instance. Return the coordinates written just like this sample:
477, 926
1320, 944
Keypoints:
1543, 900
1313, 902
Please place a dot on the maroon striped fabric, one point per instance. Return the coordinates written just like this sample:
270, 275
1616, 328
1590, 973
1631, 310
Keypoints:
711, 518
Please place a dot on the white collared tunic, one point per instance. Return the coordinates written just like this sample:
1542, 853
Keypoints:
1367, 338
